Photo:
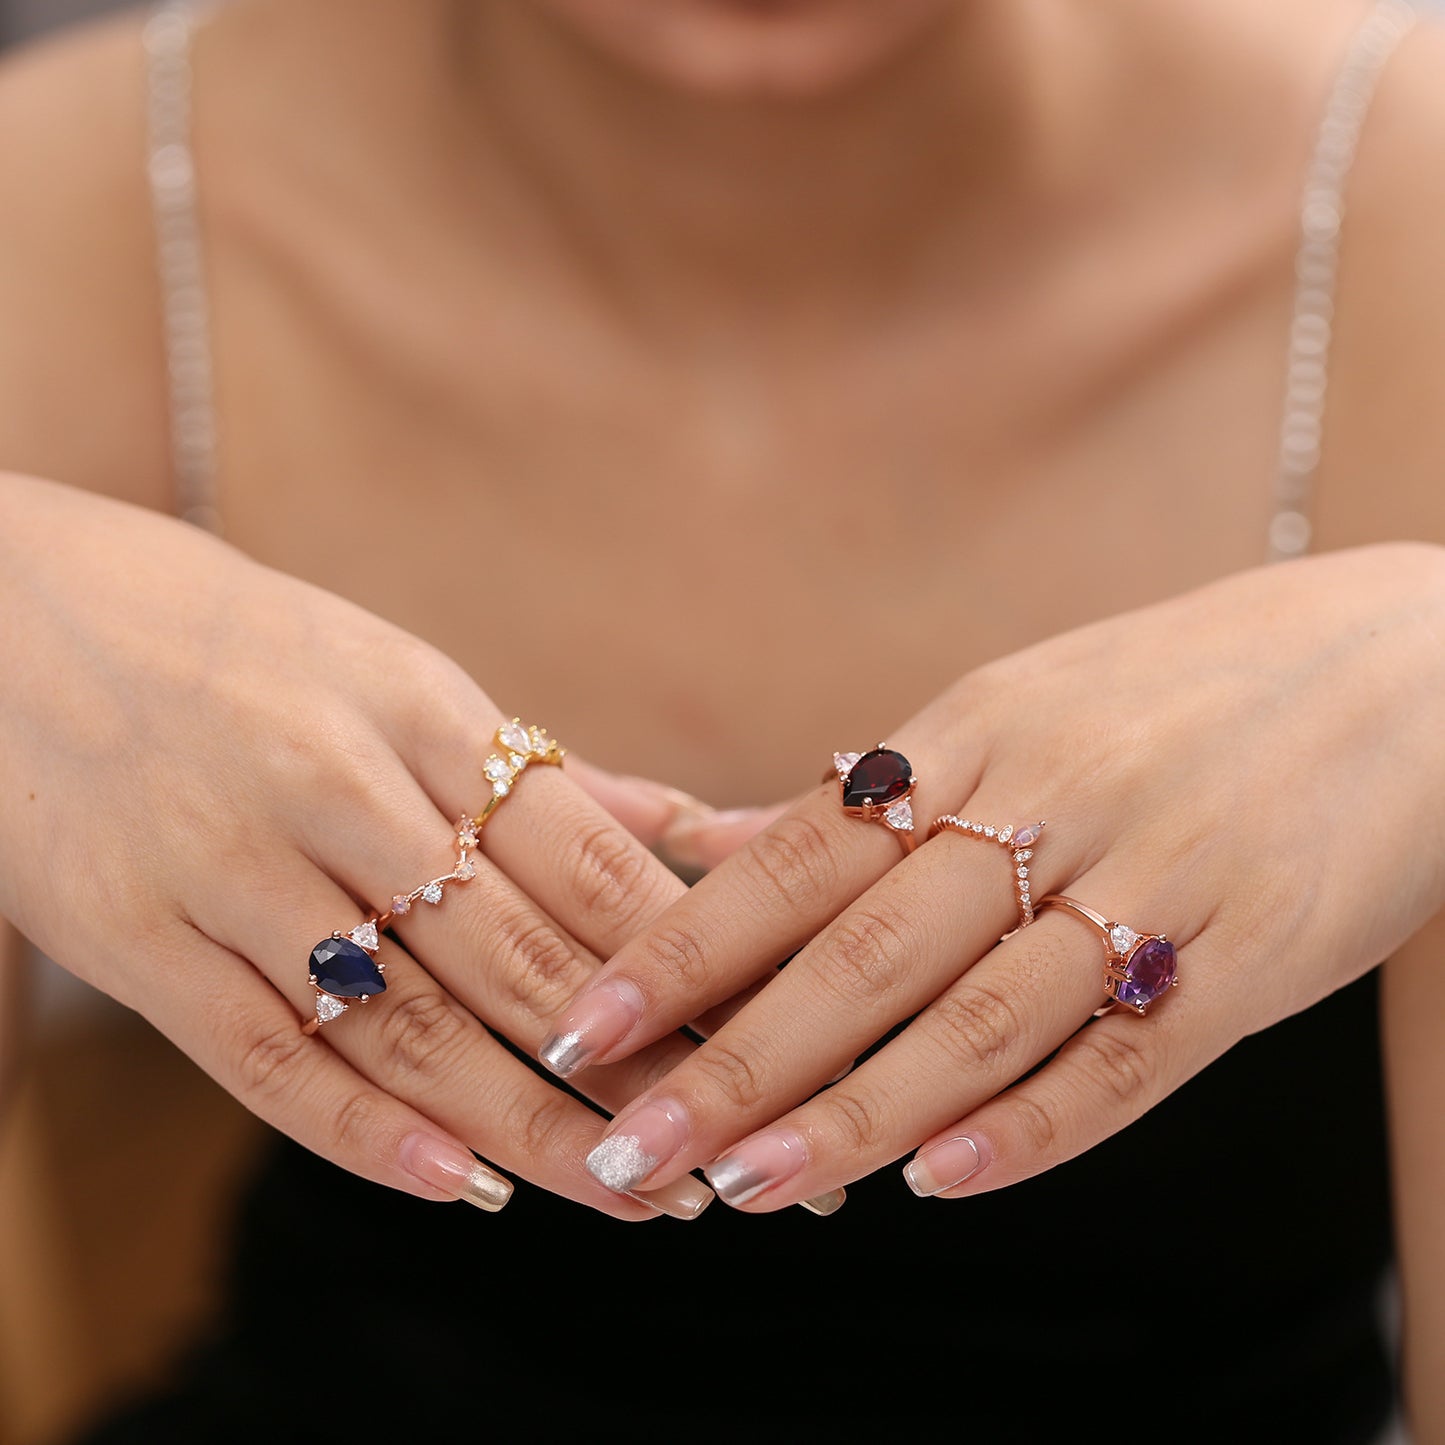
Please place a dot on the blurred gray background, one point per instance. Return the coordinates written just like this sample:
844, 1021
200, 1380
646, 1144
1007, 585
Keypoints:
19, 18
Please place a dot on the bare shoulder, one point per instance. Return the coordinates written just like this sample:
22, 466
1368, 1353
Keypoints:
1384, 470
82, 396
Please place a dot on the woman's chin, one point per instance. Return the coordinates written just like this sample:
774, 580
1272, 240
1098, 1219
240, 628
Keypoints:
751, 48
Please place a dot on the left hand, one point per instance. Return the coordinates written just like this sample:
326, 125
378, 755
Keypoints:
1253, 769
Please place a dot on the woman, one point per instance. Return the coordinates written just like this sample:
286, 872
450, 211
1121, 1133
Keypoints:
725, 386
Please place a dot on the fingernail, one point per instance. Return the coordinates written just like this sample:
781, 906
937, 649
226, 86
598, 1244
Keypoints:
825, 1204
943, 1165
601, 1018
640, 1141
684, 1198
762, 1163
456, 1171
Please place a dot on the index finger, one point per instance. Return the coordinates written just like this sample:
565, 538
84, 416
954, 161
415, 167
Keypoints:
755, 910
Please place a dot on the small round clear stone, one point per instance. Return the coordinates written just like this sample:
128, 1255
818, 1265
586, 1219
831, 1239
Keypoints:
432, 893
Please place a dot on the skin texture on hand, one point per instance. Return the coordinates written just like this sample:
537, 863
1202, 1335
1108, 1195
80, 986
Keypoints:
1251, 769
209, 766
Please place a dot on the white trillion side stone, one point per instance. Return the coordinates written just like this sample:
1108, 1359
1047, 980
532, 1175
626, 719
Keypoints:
844, 762
514, 736
365, 937
328, 1008
1122, 937
900, 816
432, 893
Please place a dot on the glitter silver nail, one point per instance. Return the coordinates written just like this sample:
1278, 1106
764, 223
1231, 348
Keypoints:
620, 1162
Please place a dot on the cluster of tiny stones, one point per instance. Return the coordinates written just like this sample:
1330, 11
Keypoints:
1016, 839
517, 745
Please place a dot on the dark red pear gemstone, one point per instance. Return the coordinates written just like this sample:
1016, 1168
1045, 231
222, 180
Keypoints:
878, 777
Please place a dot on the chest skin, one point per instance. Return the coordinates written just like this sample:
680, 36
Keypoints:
677, 571
715, 553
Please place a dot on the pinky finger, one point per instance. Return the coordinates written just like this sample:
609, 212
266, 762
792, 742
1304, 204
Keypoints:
1105, 1077
229, 1020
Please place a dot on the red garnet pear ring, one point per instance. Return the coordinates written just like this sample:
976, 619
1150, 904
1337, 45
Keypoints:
878, 787
1138, 967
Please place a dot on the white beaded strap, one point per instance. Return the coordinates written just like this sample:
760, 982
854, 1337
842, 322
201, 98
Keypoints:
171, 171
1316, 267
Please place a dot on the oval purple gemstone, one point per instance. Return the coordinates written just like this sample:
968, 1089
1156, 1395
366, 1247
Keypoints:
1151, 972
878, 778
343, 968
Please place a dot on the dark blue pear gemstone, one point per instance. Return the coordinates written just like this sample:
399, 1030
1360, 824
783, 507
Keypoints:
345, 969
878, 777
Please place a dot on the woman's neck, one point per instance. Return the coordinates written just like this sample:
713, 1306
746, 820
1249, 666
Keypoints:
672, 196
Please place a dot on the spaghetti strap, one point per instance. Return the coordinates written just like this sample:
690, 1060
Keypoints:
171, 172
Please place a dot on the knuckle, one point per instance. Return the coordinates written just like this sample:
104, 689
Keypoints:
1121, 1063
356, 1125
539, 970
858, 1120
421, 1033
273, 1065
793, 860
977, 1024
1036, 1124
540, 1128
611, 872
865, 951
730, 1074
677, 953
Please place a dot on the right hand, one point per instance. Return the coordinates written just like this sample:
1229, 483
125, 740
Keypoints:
207, 766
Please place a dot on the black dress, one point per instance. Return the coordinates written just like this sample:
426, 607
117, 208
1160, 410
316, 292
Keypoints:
1214, 1273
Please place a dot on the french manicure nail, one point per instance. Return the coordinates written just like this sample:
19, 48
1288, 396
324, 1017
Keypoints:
942, 1166
760, 1164
825, 1204
684, 1198
456, 1171
640, 1141
600, 1019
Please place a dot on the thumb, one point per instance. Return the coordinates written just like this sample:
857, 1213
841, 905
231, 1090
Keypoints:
689, 835
647, 809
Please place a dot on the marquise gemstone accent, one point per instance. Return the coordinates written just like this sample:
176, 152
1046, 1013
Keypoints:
344, 969
878, 777
1151, 971
514, 736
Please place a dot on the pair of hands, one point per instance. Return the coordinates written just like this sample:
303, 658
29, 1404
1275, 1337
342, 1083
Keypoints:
207, 766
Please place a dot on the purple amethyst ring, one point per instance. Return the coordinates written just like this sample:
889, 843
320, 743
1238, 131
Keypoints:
1138, 967
878, 787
